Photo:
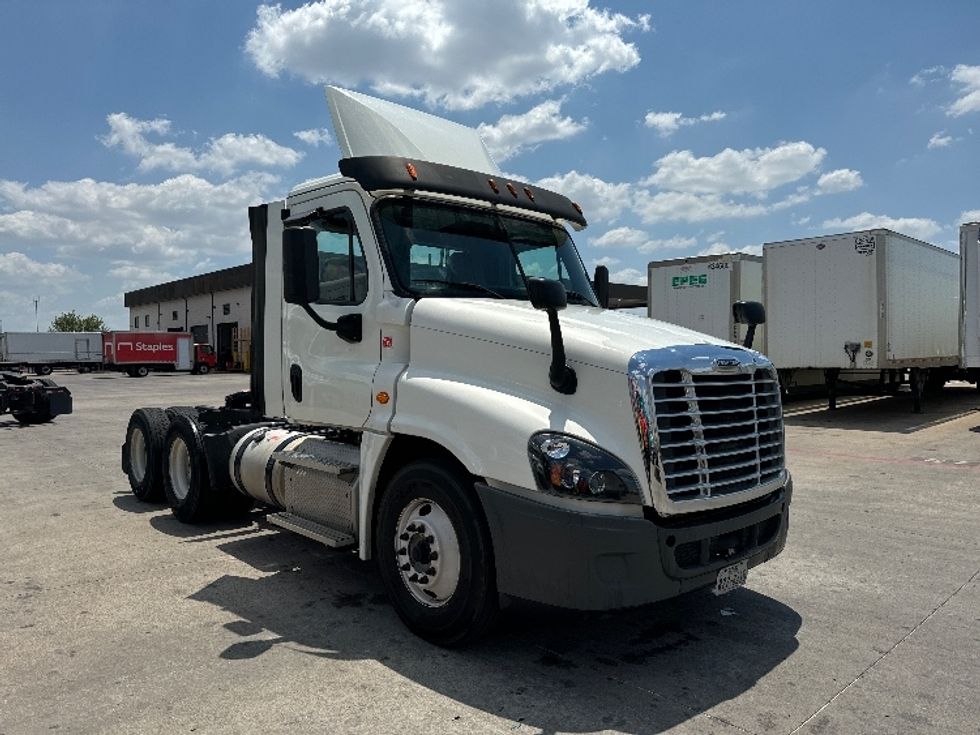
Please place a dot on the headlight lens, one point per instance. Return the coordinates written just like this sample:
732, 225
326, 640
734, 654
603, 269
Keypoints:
564, 465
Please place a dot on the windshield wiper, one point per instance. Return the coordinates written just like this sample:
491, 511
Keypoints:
461, 284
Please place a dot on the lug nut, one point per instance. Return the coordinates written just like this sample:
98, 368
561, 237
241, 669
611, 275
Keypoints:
414, 578
430, 570
423, 580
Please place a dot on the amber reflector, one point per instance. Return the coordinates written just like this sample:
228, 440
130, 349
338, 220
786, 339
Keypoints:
493, 185
511, 189
383, 397
411, 171
530, 194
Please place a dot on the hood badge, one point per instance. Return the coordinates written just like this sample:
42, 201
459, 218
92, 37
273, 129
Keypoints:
727, 363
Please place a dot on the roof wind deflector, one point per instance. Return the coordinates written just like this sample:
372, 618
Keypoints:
375, 173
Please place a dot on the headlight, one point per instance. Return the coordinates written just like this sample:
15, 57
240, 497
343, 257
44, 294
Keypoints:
571, 467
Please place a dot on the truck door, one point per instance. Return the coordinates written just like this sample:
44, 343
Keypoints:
327, 380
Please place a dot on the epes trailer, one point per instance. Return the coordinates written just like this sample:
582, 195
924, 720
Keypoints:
436, 386
41, 352
873, 301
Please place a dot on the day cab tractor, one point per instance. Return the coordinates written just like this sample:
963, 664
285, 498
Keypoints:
437, 386
32, 400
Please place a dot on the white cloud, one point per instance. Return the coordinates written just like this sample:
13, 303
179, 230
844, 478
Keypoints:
513, 134
667, 206
315, 137
631, 276
939, 140
972, 215
918, 227
968, 79
135, 275
931, 74
458, 55
841, 180
179, 219
224, 155
667, 123
753, 170
641, 241
605, 260
720, 248
600, 200
18, 270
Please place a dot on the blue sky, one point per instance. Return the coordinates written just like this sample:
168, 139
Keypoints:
133, 135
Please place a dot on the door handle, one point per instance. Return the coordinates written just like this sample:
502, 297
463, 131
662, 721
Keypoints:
296, 382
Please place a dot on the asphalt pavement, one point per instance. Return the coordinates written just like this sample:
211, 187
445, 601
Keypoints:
115, 618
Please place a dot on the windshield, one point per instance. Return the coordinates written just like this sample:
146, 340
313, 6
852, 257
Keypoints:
450, 250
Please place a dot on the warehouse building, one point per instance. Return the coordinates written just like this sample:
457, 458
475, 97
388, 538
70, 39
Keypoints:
217, 309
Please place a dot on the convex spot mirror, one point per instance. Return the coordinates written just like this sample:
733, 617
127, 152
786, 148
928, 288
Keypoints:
546, 294
300, 266
749, 312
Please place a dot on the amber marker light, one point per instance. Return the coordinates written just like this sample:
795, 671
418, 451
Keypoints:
493, 185
530, 194
512, 189
382, 397
410, 167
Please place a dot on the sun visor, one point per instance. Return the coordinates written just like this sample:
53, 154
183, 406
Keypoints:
367, 126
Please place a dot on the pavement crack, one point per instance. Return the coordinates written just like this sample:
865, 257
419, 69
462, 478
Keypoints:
880, 658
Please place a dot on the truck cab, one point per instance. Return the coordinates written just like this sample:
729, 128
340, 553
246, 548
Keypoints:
437, 386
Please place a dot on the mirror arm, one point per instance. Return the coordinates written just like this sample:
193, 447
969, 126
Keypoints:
749, 336
348, 334
561, 377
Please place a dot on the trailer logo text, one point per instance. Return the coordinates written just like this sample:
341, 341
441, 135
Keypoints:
144, 347
696, 281
864, 244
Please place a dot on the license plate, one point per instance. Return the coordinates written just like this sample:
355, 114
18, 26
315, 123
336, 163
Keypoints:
731, 578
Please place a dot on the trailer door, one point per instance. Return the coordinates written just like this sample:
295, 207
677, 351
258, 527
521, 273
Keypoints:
183, 353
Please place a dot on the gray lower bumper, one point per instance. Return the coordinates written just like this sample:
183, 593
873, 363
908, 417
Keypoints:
596, 562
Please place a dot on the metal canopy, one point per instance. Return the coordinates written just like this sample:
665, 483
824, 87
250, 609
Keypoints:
367, 126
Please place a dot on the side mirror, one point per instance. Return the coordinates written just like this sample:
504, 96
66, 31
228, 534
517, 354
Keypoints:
550, 296
600, 283
546, 294
300, 266
749, 312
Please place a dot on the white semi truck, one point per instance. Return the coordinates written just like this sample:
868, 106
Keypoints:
436, 386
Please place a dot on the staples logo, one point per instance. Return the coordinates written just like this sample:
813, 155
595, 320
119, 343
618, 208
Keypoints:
144, 347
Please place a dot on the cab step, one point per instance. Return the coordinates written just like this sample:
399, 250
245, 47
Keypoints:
311, 529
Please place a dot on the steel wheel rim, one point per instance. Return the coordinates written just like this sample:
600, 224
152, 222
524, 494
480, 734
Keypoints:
137, 454
180, 468
427, 553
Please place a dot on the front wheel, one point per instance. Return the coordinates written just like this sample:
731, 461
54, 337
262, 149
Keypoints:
435, 554
203, 369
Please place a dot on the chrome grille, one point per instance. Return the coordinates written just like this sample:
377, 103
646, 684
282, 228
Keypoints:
715, 433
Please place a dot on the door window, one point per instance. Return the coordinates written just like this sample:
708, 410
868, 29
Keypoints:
343, 270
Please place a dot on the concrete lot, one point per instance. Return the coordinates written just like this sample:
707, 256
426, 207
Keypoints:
116, 618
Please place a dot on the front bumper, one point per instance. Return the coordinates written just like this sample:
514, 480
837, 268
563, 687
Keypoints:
600, 562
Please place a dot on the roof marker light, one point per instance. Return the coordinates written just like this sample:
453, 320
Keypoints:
512, 189
530, 194
410, 167
493, 185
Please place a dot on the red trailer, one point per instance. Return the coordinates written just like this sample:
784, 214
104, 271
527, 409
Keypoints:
137, 353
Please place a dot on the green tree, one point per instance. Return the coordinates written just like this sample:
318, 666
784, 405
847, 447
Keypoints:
69, 321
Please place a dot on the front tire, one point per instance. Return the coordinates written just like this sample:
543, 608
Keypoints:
142, 371
435, 554
203, 369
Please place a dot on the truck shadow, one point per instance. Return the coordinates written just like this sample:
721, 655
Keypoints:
892, 414
641, 670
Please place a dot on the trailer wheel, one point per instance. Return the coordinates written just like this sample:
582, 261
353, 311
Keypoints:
142, 453
27, 418
435, 554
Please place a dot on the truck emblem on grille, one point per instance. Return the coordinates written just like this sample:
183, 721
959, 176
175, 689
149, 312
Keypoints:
726, 363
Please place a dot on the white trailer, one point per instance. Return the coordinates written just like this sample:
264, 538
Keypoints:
43, 351
970, 298
698, 293
868, 301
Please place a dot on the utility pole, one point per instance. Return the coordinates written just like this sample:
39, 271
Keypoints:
37, 324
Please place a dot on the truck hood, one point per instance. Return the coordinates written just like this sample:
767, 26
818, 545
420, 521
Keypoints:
601, 338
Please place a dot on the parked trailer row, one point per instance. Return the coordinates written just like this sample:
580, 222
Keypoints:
135, 353
873, 305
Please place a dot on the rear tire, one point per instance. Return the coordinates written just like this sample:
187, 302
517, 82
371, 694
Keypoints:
28, 418
142, 371
144, 444
450, 597
185, 472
